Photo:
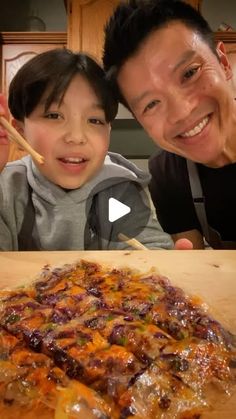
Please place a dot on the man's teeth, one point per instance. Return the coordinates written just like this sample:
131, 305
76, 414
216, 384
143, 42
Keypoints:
73, 160
196, 130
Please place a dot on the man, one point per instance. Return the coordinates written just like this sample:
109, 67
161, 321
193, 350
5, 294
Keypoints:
164, 66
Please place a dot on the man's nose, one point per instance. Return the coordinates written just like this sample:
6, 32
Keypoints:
179, 106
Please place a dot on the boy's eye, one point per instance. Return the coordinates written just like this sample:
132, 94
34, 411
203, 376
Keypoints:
96, 121
151, 105
52, 115
191, 72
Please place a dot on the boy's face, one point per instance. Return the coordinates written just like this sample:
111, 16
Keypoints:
73, 137
179, 91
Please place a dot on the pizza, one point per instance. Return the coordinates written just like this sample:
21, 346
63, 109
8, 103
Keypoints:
89, 341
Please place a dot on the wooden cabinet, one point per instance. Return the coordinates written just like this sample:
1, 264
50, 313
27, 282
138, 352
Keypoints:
16, 49
19, 47
86, 20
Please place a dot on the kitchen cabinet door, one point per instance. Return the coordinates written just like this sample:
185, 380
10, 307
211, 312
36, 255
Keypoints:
85, 28
16, 49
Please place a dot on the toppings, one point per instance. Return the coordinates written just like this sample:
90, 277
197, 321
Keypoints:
140, 342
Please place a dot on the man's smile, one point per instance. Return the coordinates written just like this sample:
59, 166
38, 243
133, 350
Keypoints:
196, 129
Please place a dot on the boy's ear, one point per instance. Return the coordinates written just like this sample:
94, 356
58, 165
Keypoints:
224, 61
19, 126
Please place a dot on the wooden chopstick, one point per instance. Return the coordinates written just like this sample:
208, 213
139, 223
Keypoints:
132, 242
15, 136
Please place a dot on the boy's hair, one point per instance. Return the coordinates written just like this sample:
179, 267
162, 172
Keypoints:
53, 70
133, 21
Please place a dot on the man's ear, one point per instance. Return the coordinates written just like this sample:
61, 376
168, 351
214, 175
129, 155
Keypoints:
224, 61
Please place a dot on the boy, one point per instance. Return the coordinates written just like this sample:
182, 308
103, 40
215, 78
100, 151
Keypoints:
61, 104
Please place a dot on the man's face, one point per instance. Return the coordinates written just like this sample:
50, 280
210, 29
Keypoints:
179, 91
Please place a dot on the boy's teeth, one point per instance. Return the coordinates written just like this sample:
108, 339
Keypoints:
73, 160
196, 130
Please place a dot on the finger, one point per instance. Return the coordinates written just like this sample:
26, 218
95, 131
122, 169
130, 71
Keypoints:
2, 110
4, 143
183, 244
3, 134
4, 153
3, 106
5, 113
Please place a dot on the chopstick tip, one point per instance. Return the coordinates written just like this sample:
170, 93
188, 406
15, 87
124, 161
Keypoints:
41, 160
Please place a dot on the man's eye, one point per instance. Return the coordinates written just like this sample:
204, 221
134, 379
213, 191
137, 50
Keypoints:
151, 105
96, 121
191, 72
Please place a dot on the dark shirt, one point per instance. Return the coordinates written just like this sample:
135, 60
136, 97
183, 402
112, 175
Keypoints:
171, 195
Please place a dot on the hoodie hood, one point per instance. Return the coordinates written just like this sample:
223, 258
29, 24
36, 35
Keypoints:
116, 169
60, 215
74, 219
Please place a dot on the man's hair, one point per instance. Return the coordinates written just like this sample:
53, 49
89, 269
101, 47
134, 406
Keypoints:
133, 21
52, 72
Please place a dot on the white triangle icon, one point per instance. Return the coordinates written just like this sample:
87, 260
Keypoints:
117, 209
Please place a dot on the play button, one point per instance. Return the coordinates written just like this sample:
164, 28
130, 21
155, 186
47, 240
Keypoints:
117, 210
115, 206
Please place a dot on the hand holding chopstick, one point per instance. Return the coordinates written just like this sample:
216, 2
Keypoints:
181, 244
15, 136
132, 242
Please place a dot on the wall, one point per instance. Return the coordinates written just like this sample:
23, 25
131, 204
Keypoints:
15, 14
217, 11
130, 140
56, 20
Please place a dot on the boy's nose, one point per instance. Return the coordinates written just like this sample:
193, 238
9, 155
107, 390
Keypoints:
75, 134
76, 139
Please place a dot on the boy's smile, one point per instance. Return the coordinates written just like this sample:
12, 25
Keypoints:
178, 90
72, 136
73, 164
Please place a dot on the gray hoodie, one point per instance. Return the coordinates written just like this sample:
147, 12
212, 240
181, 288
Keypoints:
36, 214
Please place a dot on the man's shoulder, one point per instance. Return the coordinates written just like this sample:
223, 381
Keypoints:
165, 162
163, 155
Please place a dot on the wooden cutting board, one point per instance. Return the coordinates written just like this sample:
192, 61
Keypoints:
209, 274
